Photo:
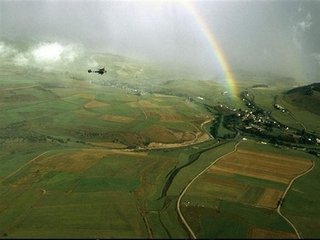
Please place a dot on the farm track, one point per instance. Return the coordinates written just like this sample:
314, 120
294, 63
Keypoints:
18, 88
26, 164
202, 127
194, 157
291, 115
285, 193
189, 184
141, 108
302, 125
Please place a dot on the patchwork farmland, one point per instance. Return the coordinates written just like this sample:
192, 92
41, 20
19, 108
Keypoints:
245, 179
111, 157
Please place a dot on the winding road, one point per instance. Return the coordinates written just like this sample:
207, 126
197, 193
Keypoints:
285, 193
191, 233
189, 184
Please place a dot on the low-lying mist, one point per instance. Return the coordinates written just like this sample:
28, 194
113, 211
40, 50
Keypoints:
278, 37
42, 55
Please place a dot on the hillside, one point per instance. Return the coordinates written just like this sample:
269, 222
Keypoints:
306, 97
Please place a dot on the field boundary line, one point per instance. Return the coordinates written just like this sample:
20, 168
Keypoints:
18, 88
145, 115
24, 165
204, 130
141, 108
189, 184
292, 116
285, 193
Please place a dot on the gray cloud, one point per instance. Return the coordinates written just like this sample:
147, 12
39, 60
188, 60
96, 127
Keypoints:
271, 36
43, 55
6, 50
316, 56
305, 24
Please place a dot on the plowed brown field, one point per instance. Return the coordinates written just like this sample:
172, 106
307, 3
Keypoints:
267, 167
278, 168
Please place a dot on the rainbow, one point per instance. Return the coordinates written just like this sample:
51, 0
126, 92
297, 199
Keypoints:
216, 49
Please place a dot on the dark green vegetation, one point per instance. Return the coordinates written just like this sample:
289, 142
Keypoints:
306, 97
108, 156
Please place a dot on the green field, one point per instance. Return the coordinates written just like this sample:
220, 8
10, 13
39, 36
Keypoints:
86, 156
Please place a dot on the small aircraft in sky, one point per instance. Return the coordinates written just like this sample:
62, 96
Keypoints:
100, 71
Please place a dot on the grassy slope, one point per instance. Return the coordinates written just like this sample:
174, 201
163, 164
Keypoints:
306, 97
308, 119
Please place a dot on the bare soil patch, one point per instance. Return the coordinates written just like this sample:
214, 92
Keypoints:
86, 95
270, 198
95, 104
127, 152
170, 117
152, 114
187, 136
109, 144
157, 133
147, 104
269, 167
116, 118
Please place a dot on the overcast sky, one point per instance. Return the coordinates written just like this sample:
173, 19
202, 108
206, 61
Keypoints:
278, 36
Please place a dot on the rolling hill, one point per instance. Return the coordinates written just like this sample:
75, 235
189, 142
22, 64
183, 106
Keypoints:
306, 97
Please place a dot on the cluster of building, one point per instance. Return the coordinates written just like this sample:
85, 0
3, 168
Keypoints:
259, 122
279, 107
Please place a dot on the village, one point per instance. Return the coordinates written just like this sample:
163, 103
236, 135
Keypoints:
257, 122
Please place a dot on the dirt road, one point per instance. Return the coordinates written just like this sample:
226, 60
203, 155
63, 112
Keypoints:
189, 184
285, 193
26, 164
